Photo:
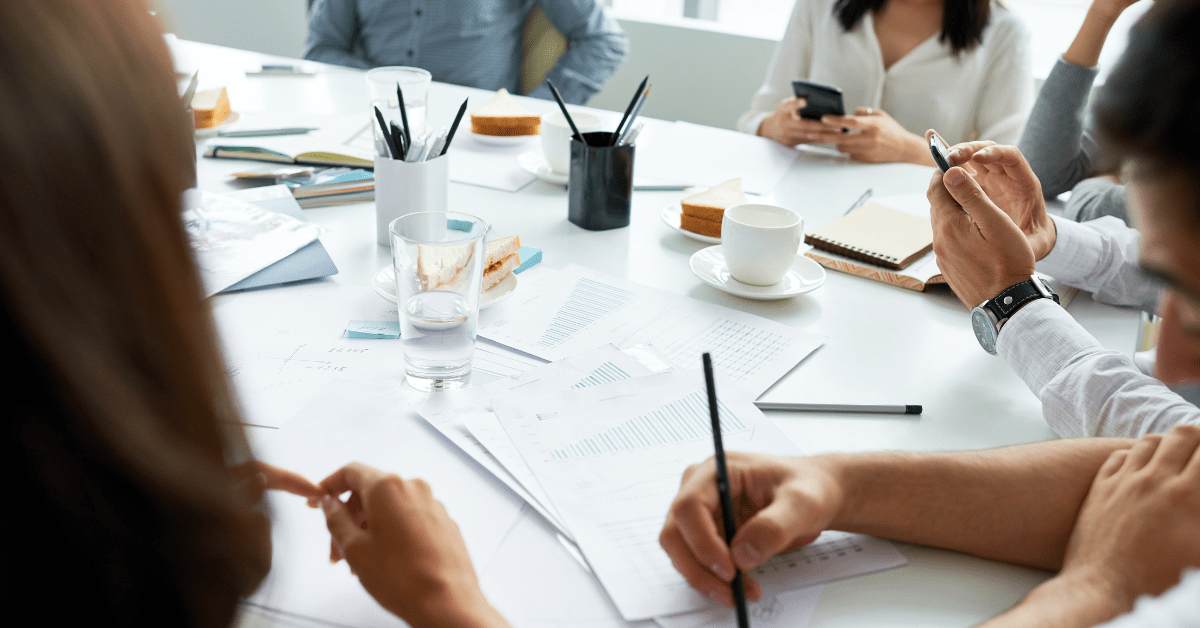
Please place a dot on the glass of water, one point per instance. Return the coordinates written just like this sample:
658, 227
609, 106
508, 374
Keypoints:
438, 259
414, 83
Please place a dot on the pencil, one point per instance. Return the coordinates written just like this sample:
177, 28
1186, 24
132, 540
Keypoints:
632, 102
387, 137
739, 588
562, 105
404, 115
454, 127
636, 110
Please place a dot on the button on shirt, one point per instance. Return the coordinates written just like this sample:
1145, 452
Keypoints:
468, 42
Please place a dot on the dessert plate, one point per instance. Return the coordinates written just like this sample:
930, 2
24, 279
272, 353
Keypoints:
671, 215
804, 275
502, 140
534, 162
384, 283
229, 121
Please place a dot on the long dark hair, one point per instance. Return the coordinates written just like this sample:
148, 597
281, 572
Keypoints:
117, 413
963, 21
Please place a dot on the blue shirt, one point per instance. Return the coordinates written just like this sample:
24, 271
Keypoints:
468, 42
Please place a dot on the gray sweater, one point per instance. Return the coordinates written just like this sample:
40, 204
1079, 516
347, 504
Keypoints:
1061, 147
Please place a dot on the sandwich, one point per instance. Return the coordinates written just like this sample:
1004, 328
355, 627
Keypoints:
503, 116
502, 260
703, 212
210, 107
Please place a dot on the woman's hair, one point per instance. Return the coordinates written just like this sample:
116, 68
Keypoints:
1146, 109
117, 412
963, 21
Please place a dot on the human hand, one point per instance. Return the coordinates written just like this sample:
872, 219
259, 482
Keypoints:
779, 504
405, 549
1006, 178
1139, 526
785, 125
980, 251
257, 476
879, 138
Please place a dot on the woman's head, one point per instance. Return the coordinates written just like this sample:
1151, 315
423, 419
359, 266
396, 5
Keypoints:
963, 21
118, 419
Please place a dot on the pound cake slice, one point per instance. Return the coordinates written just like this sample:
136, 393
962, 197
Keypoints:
210, 107
704, 211
503, 116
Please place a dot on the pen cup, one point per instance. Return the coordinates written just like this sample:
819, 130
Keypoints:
403, 188
600, 186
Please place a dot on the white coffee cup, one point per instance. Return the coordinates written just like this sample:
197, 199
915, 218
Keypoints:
556, 137
760, 242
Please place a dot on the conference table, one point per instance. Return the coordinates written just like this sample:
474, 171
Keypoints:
884, 344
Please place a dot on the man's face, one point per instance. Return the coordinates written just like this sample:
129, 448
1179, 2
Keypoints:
1163, 208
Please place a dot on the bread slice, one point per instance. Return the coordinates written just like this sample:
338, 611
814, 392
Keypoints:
210, 107
502, 258
712, 203
711, 228
503, 116
443, 267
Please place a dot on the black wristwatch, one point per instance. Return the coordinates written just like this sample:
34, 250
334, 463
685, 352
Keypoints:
988, 317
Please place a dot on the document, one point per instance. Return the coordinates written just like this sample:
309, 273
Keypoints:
610, 458
577, 309
475, 162
790, 609
707, 156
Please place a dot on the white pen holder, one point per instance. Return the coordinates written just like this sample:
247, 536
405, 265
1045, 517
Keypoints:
403, 188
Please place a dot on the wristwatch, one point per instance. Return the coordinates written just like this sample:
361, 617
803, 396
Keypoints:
988, 317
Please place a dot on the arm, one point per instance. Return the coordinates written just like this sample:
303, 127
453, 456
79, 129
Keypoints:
791, 61
1008, 88
596, 46
1095, 198
332, 29
1101, 256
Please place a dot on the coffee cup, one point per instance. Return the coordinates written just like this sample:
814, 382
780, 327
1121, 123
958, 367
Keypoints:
760, 242
556, 137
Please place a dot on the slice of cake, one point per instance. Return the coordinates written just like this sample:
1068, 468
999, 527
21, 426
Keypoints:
210, 107
503, 116
704, 211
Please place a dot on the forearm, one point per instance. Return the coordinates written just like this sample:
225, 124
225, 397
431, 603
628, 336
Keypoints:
1016, 504
1085, 48
1065, 602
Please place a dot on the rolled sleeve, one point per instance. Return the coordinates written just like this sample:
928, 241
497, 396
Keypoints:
1101, 256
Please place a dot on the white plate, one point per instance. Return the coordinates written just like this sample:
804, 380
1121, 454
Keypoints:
229, 121
384, 283
503, 140
671, 215
803, 276
534, 162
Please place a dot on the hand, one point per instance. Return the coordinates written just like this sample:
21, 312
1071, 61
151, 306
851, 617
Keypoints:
1010, 183
879, 138
1139, 526
980, 254
257, 476
779, 503
785, 125
405, 549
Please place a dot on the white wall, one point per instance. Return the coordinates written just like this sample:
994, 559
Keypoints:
275, 27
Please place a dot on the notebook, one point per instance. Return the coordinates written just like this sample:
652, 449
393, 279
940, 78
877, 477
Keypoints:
347, 142
310, 262
876, 234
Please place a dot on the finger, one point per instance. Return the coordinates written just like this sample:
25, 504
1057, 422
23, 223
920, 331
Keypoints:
697, 575
1113, 463
967, 192
352, 477
993, 154
868, 111
942, 206
1176, 449
771, 530
334, 553
845, 122
344, 532
695, 522
279, 479
1142, 452
964, 152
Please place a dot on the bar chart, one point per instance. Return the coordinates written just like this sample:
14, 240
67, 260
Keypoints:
589, 301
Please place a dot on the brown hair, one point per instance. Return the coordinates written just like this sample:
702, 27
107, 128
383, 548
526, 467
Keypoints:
119, 420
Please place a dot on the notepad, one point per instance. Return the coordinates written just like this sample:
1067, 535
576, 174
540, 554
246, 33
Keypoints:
877, 234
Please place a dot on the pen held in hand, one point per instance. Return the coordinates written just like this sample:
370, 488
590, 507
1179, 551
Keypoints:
562, 105
738, 586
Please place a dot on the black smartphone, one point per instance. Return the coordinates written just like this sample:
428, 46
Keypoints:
823, 100
940, 152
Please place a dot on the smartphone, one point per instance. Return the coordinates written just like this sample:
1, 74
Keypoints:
823, 100
940, 152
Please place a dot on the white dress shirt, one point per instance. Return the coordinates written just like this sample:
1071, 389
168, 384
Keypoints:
983, 93
1178, 607
1085, 389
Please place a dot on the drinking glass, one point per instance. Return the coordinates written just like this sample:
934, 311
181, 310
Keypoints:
438, 259
381, 85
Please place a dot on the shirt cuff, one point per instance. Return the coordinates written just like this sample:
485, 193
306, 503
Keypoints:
1039, 340
1075, 250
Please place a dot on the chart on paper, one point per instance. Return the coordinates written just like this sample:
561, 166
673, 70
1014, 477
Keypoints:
578, 309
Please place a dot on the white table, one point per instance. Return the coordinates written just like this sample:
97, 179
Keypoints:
886, 344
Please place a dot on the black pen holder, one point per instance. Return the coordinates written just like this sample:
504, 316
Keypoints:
600, 188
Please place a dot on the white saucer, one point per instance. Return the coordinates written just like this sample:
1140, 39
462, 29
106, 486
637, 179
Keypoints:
804, 275
229, 121
502, 140
534, 162
671, 214
384, 283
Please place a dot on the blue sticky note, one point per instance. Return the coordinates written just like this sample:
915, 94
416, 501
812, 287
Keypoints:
382, 330
530, 257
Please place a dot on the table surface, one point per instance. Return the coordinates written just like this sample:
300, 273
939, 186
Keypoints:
885, 344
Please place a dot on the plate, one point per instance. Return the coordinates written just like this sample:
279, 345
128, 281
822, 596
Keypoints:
502, 140
804, 275
534, 162
671, 215
384, 283
229, 121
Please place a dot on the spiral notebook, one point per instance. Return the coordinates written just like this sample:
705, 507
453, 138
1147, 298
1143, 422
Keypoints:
876, 234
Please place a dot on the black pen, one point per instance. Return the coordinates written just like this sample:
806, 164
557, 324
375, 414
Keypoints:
454, 127
387, 137
739, 589
562, 105
401, 141
629, 109
404, 116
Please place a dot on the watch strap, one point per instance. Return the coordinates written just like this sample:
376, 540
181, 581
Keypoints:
1014, 297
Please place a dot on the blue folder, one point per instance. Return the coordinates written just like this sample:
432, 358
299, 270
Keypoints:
310, 262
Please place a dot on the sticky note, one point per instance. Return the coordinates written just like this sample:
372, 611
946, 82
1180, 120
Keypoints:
383, 330
530, 257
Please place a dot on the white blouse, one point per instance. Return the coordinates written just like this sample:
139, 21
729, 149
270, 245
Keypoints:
984, 93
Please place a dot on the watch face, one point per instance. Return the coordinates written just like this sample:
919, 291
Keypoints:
985, 330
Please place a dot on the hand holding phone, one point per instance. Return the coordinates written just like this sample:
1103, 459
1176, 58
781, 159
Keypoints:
823, 100
940, 152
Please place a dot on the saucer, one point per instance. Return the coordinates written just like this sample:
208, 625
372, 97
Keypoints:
384, 283
212, 131
671, 215
804, 275
502, 140
534, 162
